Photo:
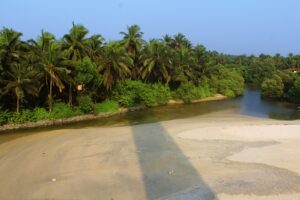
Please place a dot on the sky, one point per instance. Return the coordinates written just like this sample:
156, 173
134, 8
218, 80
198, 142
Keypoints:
228, 26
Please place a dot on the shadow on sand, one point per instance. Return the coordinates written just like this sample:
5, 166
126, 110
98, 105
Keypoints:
167, 172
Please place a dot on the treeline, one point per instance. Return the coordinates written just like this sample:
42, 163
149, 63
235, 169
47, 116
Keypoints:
278, 77
55, 78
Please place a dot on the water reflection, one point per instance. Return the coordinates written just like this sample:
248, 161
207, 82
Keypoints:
252, 104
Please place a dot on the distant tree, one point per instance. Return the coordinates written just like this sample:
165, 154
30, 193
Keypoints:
156, 62
272, 87
51, 61
115, 65
76, 45
11, 47
133, 42
294, 92
21, 80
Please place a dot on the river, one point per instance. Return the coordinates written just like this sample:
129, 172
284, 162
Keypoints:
249, 104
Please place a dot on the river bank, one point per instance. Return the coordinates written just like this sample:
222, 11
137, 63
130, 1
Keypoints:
221, 155
88, 117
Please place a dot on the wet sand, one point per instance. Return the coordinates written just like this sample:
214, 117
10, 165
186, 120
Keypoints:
221, 155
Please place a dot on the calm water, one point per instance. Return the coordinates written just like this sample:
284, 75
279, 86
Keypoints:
249, 104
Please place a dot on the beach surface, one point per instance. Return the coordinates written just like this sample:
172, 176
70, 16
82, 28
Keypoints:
221, 155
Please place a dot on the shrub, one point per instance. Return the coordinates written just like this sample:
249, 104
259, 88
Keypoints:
107, 106
294, 92
228, 93
162, 93
146, 95
273, 87
41, 114
25, 116
4, 116
125, 93
204, 91
226, 87
189, 91
226, 81
131, 93
288, 79
61, 110
85, 104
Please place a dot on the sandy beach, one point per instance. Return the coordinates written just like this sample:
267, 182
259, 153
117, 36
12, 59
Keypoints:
221, 155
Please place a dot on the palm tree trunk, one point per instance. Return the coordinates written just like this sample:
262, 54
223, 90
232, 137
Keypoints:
18, 105
70, 94
50, 94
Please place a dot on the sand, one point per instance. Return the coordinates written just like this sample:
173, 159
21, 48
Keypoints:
220, 155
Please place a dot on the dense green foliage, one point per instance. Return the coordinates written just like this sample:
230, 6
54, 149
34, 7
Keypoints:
49, 78
85, 104
188, 91
272, 87
294, 92
107, 106
129, 93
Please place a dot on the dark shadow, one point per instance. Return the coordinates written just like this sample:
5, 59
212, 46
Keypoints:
167, 172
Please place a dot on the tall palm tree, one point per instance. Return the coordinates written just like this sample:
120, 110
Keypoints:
21, 80
75, 43
76, 47
201, 60
184, 64
178, 41
51, 61
133, 39
133, 42
115, 65
156, 62
11, 47
95, 47
168, 40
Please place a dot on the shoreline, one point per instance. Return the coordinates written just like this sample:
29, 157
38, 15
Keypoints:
88, 117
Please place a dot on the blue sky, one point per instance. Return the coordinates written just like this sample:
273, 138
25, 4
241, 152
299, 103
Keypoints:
228, 26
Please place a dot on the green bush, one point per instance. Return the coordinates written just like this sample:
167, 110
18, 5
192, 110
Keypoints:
226, 87
107, 106
273, 87
294, 92
228, 82
61, 110
4, 116
85, 104
40, 114
228, 93
288, 79
204, 91
162, 93
184, 92
125, 93
189, 91
25, 116
131, 93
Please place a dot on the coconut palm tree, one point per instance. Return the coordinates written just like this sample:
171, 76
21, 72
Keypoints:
177, 42
51, 62
11, 47
132, 39
21, 80
95, 47
115, 64
156, 62
184, 64
133, 42
76, 46
75, 43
